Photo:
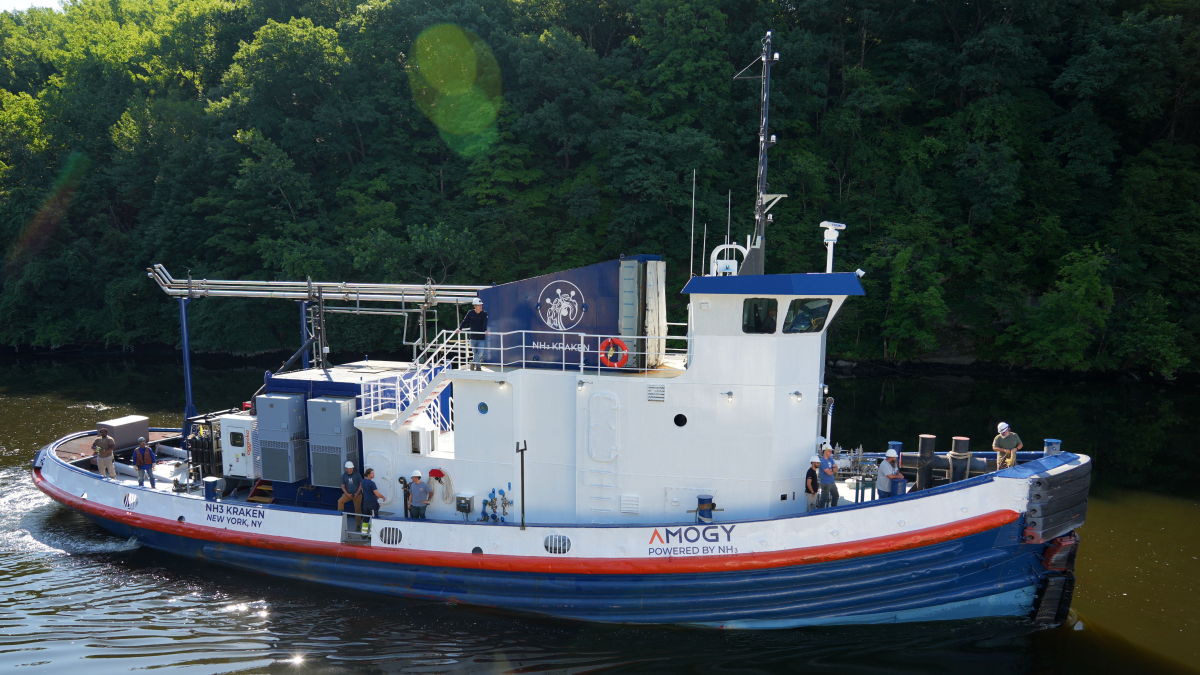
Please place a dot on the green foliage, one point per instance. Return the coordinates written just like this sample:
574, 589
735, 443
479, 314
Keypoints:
1020, 180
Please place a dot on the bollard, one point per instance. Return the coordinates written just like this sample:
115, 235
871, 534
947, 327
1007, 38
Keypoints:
925, 456
960, 459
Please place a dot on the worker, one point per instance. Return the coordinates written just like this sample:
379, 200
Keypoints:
418, 497
769, 323
812, 483
829, 492
351, 491
1006, 445
143, 459
103, 448
476, 321
886, 474
371, 494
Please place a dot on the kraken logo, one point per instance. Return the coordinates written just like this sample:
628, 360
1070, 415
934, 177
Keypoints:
561, 305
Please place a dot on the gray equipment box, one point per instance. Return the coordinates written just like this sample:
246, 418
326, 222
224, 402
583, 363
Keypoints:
281, 444
332, 439
126, 430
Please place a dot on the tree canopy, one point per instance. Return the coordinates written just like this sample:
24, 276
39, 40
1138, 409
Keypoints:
1020, 179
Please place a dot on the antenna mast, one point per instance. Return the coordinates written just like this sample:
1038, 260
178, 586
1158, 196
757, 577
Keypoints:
763, 201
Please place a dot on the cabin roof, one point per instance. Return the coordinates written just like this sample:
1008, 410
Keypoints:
838, 283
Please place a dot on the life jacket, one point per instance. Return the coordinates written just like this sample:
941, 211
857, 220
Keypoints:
142, 456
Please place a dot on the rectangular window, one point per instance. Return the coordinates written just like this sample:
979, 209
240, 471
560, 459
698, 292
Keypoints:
759, 315
807, 315
236, 439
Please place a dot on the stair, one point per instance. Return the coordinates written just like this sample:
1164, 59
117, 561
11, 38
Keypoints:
263, 492
431, 393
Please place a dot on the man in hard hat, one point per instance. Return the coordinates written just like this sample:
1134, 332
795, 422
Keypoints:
419, 496
887, 473
476, 321
351, 491
1006, 445
143, 459
828, 474
812, 482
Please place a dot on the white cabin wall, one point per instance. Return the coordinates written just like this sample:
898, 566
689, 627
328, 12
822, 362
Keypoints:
544, 417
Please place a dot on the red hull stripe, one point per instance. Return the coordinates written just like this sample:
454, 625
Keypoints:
741, 562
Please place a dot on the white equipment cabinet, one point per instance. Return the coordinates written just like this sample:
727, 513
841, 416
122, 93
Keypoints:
332, 439
237, 446
281, 442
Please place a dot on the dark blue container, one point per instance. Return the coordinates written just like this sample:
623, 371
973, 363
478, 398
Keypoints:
1053, 446
899, 487
895, 445
560, 308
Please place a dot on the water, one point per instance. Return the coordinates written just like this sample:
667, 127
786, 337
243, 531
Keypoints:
76, 597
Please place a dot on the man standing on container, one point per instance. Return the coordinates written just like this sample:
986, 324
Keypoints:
829, 492
143, 459
103, 447
351, 491
476, 321
886, 474
419, 495
1006, 446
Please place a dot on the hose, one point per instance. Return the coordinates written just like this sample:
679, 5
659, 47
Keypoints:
447, 487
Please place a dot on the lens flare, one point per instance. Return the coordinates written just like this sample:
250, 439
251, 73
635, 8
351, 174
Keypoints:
45, 222
455, 81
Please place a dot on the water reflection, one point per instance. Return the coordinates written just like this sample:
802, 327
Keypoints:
75, 597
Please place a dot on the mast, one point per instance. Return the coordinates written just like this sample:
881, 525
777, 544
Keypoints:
763, 201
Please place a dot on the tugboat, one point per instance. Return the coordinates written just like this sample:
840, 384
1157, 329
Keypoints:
591, 460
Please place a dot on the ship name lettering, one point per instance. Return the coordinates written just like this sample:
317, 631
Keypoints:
693, 534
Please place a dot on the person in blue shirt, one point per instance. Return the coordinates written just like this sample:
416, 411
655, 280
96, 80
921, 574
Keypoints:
351, 491
419, 496
829, 493
144, 459
476, 321
371, 494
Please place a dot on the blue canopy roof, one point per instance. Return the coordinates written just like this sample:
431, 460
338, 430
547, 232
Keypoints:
814, 285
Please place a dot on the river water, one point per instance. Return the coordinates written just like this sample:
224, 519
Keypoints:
75, 597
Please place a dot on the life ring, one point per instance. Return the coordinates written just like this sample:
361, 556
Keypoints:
607, 349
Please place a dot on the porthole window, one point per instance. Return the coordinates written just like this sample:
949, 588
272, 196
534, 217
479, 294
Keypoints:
482, 408
680, 420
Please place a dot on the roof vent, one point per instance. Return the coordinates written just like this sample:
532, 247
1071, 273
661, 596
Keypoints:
630, 503
557, 544
656, 393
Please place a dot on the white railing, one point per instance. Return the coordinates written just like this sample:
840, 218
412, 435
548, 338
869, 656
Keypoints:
582, 352
402, 392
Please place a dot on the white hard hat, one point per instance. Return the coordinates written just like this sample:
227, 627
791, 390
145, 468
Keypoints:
416, 474
814, 460
476, 301
891, 453
1002, 427
141, 439
349, 465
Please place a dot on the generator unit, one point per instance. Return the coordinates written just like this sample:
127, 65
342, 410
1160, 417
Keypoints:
237, 446
281, 443
332, 439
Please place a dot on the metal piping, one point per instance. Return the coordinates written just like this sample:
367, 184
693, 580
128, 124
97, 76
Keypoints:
300, 290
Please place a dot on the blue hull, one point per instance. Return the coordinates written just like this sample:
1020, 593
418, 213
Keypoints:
989, 574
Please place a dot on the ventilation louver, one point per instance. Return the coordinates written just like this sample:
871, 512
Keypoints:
390, 535
557, 544
656, 393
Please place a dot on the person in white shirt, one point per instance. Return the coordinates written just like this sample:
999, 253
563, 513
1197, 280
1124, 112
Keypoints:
887, 472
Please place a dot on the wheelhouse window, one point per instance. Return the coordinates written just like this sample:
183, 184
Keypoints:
760, 315
807, 315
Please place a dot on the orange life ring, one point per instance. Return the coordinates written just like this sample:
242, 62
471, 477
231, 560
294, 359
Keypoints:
611, 346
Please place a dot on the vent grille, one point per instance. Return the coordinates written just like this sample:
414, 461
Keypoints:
558, 544
131, 502
656, 393
255, 450
326, 449
630, 503
278, 445
391, 535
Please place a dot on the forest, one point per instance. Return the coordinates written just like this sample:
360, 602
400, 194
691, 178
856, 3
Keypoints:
1020, 179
